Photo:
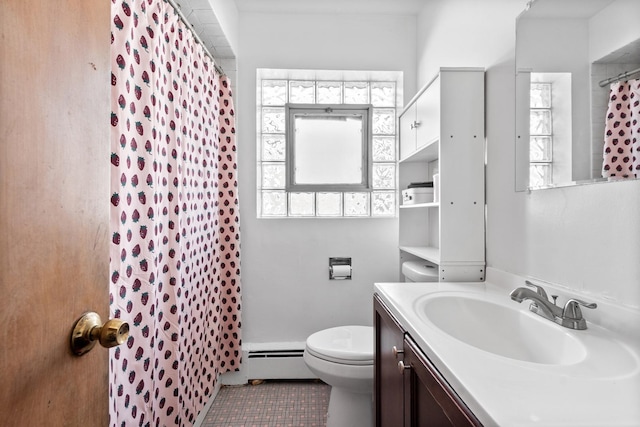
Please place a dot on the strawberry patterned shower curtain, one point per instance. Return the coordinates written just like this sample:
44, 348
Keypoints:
175, 260
621, 154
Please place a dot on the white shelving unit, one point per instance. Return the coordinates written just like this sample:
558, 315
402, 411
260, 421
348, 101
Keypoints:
442, 129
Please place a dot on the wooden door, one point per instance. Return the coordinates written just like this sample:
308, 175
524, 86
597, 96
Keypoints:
54, 260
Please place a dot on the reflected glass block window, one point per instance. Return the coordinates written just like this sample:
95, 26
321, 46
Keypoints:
540, 95
539, 175
279, 87
540, 149
540, 135
540, 122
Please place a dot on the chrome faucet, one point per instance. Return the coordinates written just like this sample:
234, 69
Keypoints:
570, 316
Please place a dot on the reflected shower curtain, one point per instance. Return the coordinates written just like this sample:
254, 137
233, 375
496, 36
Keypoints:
175, 260
621, 155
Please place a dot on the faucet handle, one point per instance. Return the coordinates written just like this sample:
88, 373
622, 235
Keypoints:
539, 289
572, 308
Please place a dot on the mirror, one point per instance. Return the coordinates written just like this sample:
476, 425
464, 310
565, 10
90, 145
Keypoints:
567, 54
327, 147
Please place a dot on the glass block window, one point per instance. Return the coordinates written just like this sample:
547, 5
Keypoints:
275, 88
541, 135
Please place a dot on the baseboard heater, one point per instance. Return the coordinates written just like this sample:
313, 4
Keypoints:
271, 354
270, 361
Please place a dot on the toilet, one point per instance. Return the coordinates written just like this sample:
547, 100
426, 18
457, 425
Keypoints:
419, 271
343, 358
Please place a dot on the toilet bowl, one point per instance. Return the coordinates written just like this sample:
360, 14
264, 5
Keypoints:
343, 358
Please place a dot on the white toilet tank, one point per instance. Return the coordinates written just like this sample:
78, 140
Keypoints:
419, 271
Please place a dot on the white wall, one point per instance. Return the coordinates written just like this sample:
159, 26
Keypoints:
586, 238
604, 37
286, 291
227, 15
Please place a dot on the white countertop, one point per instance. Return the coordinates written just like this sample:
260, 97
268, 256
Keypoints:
602, 389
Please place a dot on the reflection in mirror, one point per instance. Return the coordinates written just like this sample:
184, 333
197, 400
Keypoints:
328, 147
564, 49
549, 128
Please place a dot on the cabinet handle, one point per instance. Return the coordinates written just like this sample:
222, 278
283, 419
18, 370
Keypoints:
402, 367
396, 352
415, 124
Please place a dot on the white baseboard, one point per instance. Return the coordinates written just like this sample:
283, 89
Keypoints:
270, 361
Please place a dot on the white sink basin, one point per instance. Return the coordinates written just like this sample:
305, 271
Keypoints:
501, 329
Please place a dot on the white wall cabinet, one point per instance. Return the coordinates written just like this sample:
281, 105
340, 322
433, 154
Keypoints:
442, 130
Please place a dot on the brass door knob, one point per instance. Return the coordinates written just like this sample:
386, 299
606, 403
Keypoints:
89, 329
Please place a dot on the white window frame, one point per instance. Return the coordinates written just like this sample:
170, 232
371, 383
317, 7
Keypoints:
328, 110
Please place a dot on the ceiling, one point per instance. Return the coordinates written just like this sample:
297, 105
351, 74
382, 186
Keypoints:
206, 25
566, 8
629, 54
204, 22
395, 7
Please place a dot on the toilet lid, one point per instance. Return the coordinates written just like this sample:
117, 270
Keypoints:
351, 345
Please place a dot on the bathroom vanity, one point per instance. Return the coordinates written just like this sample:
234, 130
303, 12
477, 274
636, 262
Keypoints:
409, 390
466, 354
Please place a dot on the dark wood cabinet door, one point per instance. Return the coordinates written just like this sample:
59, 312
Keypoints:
388, 380
429, 399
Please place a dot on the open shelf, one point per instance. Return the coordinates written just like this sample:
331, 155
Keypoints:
428, 253
426, 153
421, 205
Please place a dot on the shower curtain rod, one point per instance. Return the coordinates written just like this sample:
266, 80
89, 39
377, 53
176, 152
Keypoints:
184, 19
619, 77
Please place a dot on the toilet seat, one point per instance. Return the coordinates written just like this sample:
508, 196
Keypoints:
347, 345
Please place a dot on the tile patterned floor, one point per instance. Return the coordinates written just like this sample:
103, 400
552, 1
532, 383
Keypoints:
271, 404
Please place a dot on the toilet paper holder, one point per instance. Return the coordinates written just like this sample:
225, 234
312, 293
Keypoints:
340, 268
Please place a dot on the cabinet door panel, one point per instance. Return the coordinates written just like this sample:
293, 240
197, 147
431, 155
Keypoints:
432, 402
388, 380
428, 114
407, 132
